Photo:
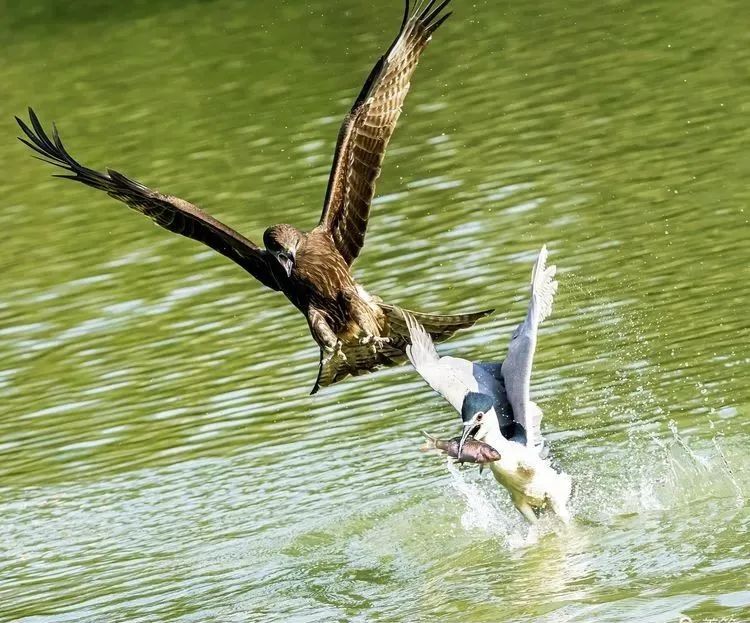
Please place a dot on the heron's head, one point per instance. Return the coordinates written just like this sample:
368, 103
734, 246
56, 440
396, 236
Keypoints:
281, 241
478, 414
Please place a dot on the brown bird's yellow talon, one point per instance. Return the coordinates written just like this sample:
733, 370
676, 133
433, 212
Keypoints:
374, 340
340, 353
334, 353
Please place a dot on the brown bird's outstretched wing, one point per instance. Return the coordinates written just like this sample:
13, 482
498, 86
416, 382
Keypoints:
172, 213
368, 127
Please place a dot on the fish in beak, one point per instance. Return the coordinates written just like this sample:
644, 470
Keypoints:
470, 428
473, 451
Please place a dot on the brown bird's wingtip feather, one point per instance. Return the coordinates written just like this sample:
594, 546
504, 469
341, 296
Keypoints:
482, 313
38, 140
52, 151
477, 316
407, 10
427, 15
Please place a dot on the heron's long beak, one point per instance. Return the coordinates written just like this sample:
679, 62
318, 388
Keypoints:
468, 429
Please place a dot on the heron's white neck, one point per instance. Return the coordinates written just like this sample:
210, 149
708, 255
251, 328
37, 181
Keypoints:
492, 434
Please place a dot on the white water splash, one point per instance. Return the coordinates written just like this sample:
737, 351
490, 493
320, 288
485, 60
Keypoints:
489, 509
659, 472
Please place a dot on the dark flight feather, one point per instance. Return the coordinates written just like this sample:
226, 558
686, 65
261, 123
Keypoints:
171, 213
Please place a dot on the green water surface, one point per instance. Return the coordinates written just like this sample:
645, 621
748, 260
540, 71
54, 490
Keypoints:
160, 458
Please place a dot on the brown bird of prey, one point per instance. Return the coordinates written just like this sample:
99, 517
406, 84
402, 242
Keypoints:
356, 331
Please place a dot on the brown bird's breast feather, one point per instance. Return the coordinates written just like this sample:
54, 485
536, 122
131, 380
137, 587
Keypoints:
320, 268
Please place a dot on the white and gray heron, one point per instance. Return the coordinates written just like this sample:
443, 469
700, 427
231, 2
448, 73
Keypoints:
495, 405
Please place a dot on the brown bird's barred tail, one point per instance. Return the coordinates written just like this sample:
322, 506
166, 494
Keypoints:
361, 359
440, 327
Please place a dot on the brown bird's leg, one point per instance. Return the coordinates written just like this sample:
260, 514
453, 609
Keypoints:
324, 336
363, 317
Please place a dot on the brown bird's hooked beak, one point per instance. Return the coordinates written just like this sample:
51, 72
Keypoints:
470, 428
287, 262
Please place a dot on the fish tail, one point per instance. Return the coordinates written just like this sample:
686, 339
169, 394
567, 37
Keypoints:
430, 442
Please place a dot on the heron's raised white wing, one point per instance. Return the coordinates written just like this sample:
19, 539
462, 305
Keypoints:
448, 375
543, 288
516, 369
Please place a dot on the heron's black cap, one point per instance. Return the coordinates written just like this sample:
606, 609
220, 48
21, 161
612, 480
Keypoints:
474, 402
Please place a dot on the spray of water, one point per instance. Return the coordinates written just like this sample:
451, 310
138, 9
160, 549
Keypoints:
637, 462
488, 508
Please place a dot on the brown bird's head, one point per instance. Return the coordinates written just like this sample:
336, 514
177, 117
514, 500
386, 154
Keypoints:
281, 241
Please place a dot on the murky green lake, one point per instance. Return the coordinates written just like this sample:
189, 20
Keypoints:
160, 458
